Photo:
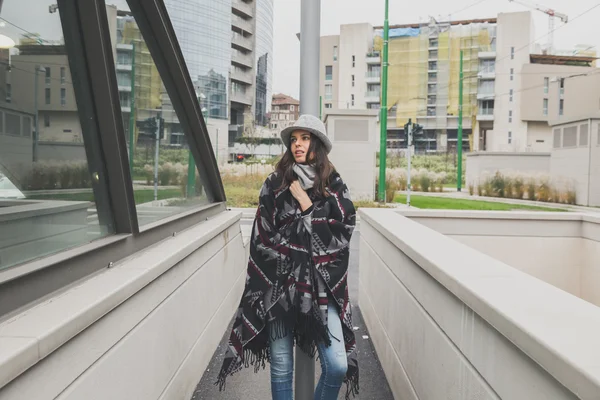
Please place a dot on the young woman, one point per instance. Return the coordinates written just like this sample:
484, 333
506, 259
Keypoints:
297, 280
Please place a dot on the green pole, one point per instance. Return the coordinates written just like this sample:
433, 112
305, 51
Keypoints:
460, 124
132, 114
383, 113
320, 107
191, 181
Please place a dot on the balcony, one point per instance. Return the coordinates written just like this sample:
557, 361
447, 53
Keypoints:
241, 7
373, 58
486, 95
372, 96
242, 76
487, 54
373, 76
241, 97
123, 67
244, 60
485, 114
241, 23
124, 46
487, 73
241, 42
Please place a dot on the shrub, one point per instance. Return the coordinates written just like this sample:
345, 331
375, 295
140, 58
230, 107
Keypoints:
519, 188
498, 185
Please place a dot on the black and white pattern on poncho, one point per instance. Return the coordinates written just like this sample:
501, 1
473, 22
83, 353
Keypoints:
298, 260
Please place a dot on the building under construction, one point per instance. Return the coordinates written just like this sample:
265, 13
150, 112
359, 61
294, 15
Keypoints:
424, 79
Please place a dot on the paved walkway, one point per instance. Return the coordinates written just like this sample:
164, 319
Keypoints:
247, 385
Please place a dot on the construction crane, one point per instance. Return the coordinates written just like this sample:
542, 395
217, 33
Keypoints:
551, 15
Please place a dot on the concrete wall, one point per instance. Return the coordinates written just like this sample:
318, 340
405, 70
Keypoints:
354, 137
533, 92
595, 164
449, 322
539, 137
144, 329
515, 30
64, 126
578, 161
479, 163
355, 40
61, 151
326, 58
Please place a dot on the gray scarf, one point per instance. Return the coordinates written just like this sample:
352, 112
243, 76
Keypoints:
306, 175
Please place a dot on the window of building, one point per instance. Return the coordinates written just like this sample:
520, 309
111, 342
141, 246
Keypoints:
328, 72
512, 74
48, 75
352, 97
512, 53
328, 92
584, 135
292, 108
46, 120
63, 77
562, 86
352, 80
335, 53
545, 107
557, 144
63, 97
509, 137
276, 108
432, 76
546, 85
433, 65
48, 96
328, 105
561, 107
511, 95
8, 92
570, 137
353, 61
433, 42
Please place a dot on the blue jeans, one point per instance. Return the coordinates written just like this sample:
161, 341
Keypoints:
334, 363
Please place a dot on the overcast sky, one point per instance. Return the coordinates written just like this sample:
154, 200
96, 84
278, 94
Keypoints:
583, 30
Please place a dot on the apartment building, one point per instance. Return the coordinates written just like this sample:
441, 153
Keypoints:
285, 112
501, 63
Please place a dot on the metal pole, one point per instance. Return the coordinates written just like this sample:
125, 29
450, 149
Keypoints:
156, 158
132, 114
460, 125
36, 116
217, 152
310, 44
383, 113
409, 148
320, 107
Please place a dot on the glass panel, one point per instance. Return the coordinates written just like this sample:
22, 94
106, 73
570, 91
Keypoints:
161, 158
47, 186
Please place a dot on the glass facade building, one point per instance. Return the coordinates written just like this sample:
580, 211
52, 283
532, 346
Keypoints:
203, 29
264, 59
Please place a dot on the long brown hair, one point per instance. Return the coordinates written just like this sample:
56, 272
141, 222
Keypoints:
316, 157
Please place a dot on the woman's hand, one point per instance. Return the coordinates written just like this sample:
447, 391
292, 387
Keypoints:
300, 195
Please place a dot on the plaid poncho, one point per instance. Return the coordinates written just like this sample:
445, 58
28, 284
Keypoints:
298, 260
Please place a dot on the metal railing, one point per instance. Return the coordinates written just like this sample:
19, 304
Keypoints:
372, 93
485, 111
373, 74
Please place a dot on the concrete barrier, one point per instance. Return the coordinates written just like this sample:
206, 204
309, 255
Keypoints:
143, 329
450, 322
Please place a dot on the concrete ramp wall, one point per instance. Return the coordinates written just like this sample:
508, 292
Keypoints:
144, 329
449, 322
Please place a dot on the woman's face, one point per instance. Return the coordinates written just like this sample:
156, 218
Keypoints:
300, 143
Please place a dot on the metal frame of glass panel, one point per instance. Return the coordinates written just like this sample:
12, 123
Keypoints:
87, 39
